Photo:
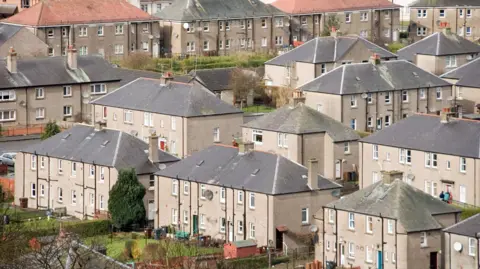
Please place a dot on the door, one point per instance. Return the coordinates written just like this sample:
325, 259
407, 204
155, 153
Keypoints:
155, 50
342, 254
195, 224
338, 173
463, 194
230, 232
433, 260
151, 209
379, 260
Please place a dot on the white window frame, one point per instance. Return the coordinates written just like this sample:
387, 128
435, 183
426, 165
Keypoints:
405, 96
148, 119
252, 230
118, 49
74, 197
42, 162
119, 29
185, 216
202, 221
390, 223
472, 247
240, 197
394, 258
67, 91
353, 101
39, 93
98, 88
67, 111
222, 225
438, 93
91, 171
353, 124
368, 223
216, 134
127, 116
374, 177
351, 250
8, 95
421, 31
73, 169
428, 159
100, 30
348, 17
33, 190
206, 26
421, 13
363, 16
186, 187
251, 200
223, 193
102, 174
460, 13
375, 152
256, 134
351, 221
83, 31
60, 166
422, 93
42, 190
92, 199
331, 216
305, 212
174, 187
346, 148
174, 216
264, 23
173, 123
60, 195
451, 61
33, 163
203, 188
462, 190
468, 31
423, 240
388, 100
239, 226
368, 254
442, 13
463, 165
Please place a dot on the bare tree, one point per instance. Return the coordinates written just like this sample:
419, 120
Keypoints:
244, 83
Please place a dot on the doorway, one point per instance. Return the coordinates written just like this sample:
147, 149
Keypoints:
230, 232
342, 254
379, 260
195, 224
279, 240
433, 260
338, 169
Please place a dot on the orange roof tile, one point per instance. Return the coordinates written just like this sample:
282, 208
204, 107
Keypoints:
61, 12
311, 6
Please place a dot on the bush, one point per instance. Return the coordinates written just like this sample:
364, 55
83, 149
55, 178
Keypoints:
468, 212
394, 47
127, 251
90, 228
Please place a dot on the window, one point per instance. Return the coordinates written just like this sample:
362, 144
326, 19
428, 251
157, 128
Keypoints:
242, 43
472, 245
460, 13
346, 147
42, 190
206, 45
185, 216
304, 215
409, 156
328, 245
151, 181
174, 216
227, 25
146, 29
463, 194
202, 191
463, 164
423, 239
387, 14
375, 152
374, 177
323, 68
240, 227
348, 17
264, 23
98, 88
144, 7
369, 122
468, 32
393, 257
174, 187
39, 93
368, 254
42, 162
220, 26
191, 46
448, 165
33, 192
100, 30
206, 26
145, 46
353, 124
353, 101
50, 32
331, 216
40, 113
264, 42
421, 31
434, 160
390, 226
92, 171
282, 140
222, 195
451, 61
7, 115
252, 200
405, 96
173, 123
387, 157
7, 95
422, 94
428, 159
83, 50
387, 98
128, 116
118, 49
422, 13
64, 32
51, 52
186, 187
82, 31
351, 221
363, 16
60, 166
369, 224
102, 174
439, 93
67, 91
249, 43
67, 111
74, 197
428, 187
223, 224
147, 119
257, 137
442, 13
74, 169
92, 199
104, 112
240, 197
119, 29
303, 20
252, 230
249, 24
279, 40
60, 194
278, 22
402, 155
220, 44
202, 221
351, 250
387, 120
369, 98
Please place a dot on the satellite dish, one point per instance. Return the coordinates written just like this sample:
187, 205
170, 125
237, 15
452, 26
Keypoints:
85, 94
287, 24
457, 246
364, 95
209, 195
162, 166
186, 25
313, 228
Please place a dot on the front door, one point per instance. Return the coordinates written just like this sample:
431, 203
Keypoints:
195, 224
155, 50
433, 260
151, 209
338, 169
342, 254
230, 232
379, 260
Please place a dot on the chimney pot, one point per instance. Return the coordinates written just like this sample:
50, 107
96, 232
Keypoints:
298, 97
444, 115
12, 61
246, 147
153, 148
333, 31
313, 174
166, 77
72, 57
375, 59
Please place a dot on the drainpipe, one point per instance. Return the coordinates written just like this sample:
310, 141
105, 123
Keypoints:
183, 137
23, 185
198, 211
95, 189
393, 107
396, 248
366, 114
190, 206
428, 100
337, 245
383, 243
376, 111
418, 99
233, 208
26, 109
303, 150
83, 188
244, 213
227, 226
272, 38
362, 165
48, 180
157, 197
179, 204
36, 184
268, 223
323, 237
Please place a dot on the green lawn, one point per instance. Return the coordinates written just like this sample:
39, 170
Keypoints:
116, 245
258, 109
18, 214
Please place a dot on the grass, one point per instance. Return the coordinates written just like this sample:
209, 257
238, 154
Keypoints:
467, 212
19, 214
116, 245
394, 47
258, 109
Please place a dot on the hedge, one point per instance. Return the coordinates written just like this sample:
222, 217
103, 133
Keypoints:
44, 228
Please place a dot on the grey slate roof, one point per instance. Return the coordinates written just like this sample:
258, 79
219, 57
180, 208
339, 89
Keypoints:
410, 206
467, 227
217, 79
54, 71
302, 119
439, 44
327, 49
445, 3
83, 143
190, 10
467, 74
223, 165
7, 31
366, 77
177, 99
426, 133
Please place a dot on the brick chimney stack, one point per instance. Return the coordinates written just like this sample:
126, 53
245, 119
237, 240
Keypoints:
298, 97
313, 174
375, 59
72, 57
153, 148
12, 61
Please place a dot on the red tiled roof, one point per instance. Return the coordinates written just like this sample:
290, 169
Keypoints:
61, 12
311, 6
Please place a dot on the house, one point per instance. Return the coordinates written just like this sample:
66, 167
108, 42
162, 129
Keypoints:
371, 96
187, 116
440, 52
112, 28
301, 133
151, 6
76, 169
318, 56
428, 17
26, 44
219, 81
237, 194
217, 27
466, 85
376, 20
435, 154
461, 243
389, 224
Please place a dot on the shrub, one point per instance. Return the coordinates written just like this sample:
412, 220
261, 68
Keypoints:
135, 250
90, 228
152, 252
50, 130
394, 47
127, 251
